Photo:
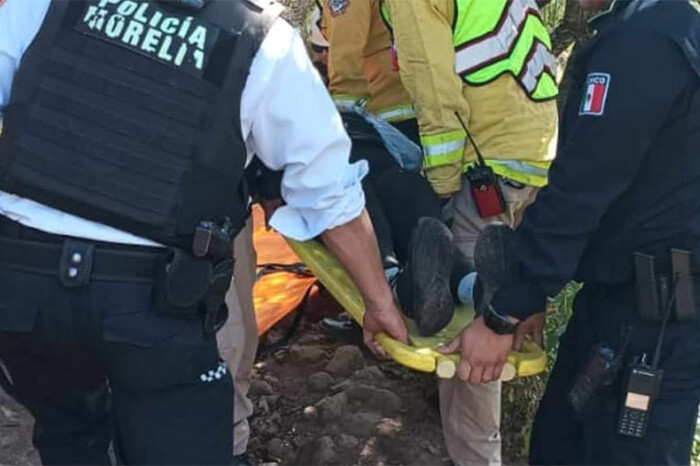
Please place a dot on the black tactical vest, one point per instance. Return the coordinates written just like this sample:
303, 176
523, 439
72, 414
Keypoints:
127, 112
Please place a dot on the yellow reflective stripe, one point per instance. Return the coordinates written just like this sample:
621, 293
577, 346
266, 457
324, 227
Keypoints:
529, 173
433, 139
397, 113
443, 149
444, 158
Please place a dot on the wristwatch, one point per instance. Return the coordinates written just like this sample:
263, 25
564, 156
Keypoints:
497, 323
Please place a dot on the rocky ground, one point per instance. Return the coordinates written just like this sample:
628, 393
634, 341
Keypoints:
324, 403
15, 434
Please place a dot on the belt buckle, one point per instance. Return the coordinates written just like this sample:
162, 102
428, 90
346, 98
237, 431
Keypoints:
75, 266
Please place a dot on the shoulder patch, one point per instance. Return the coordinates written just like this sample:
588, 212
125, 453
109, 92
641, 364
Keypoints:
337, 7
2, 2
595, 94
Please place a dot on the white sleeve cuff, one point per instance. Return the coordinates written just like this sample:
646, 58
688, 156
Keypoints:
336, 208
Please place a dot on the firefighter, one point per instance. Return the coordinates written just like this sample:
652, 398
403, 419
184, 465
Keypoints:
484, 67
360, 64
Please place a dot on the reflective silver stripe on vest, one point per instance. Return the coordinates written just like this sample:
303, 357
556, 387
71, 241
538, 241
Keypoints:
540, 59
520, 167
402, 113
442, 148
495, 46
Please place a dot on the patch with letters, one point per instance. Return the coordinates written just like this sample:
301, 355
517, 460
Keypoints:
177, 40
595, 94
337, 7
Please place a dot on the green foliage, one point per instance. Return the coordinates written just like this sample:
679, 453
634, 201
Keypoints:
553, 13
521, 396
695, 457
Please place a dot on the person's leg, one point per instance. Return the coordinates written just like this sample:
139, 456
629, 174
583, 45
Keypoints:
673, 417
467, 224
238, 338
383, 230
172, 395
471, 414
559, 437
409, 128
556, 433
51, 371
405, 197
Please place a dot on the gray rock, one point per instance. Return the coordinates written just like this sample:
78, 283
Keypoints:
378, 399
362, 424
320, 381
275, 448
346, 360
370, 373
271, 400
307, 354
260, 388
332, 407
325, 451
347, 442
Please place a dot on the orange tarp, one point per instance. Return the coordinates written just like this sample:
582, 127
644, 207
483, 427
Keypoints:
277, 294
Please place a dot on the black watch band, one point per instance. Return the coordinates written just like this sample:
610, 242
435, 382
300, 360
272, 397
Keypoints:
497, 323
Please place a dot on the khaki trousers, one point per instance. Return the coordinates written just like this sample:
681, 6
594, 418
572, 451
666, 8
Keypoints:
471, 414
238, 339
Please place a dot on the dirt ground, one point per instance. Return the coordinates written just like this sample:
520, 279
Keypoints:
325, 403
15, 434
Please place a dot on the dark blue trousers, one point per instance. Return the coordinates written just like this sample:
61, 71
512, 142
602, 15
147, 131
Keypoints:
558, 437
95, 365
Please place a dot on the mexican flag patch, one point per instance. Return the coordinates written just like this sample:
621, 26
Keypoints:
595, 94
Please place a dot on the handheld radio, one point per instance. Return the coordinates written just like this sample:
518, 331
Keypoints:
485, 188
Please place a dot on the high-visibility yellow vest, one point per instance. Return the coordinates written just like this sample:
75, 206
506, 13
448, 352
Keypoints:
493, 37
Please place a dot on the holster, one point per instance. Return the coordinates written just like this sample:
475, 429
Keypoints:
654, 292
193, 287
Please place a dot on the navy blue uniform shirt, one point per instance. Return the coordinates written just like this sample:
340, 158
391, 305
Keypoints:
627, 174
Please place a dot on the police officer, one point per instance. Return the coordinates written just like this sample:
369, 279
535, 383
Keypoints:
626, 181
127, 126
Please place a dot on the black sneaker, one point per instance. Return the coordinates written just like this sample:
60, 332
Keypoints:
430, 258
494, 259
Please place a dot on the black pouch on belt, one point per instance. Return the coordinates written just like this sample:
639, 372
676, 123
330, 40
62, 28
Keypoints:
215, 308
181, 284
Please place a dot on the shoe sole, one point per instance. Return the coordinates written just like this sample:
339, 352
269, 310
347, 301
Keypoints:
431, 257
494, 258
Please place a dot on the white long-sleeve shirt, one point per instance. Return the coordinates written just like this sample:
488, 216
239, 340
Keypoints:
287, 119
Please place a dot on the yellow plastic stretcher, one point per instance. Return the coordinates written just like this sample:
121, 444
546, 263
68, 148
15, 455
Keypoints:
421, 353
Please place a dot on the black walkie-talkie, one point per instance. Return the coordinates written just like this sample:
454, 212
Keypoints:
644, 380
643, 385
